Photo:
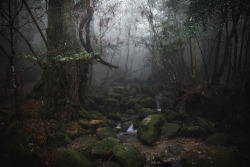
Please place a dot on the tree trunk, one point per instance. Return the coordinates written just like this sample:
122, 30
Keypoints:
216, 61
61, 78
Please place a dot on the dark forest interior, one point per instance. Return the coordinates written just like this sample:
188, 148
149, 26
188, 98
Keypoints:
124, 83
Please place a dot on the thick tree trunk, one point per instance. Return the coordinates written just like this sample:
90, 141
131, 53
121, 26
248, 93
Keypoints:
61, 84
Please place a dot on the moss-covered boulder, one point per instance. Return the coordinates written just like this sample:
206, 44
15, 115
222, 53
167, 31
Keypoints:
71, 158
148, 103
173, 116
73, 130
128, 155
170, 130
105, 132
144, 112
149, 128
94, 124
222, 139
192, 131
111, 106
204, 123
104, 147
114, 116
112, 164
57, 133
130, 112
83, 144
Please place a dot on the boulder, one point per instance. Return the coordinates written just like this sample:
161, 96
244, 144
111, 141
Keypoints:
170, 130
149, 128
104, 147
112, 164
128, 155
222, 139
105, 132
148, 103
192, 131
114, 116
83, 144
144, 112
173, 116
204, 123
67, 157
94, 124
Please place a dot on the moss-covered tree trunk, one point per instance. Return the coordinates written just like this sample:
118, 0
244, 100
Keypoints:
61, 78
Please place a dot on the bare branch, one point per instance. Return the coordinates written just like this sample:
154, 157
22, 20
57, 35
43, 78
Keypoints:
36, 24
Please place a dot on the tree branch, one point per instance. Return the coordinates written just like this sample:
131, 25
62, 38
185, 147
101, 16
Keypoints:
36, 24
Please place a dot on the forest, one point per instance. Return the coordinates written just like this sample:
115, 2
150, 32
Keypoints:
124, 83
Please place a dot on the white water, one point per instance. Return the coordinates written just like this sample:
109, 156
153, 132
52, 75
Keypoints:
157, 99
131, 128
118, 126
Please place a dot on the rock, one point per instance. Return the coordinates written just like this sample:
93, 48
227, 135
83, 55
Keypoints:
170, 130
111, 106
72, 130
128, 155
67, 157
125, 125
204, 123
105, 132
131, 112
175, 148
83, 144
173, 116
222, 139
192, 131
114, 116
148, 103
149, 128
144, 112
112, 164
104, 147
94, 124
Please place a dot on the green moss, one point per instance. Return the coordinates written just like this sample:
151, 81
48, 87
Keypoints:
105, 132
128, 155
170, 130
144, 112
71, 158
103, 147
149, 128
148, 103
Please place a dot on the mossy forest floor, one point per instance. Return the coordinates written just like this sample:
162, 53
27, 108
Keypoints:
199, 127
